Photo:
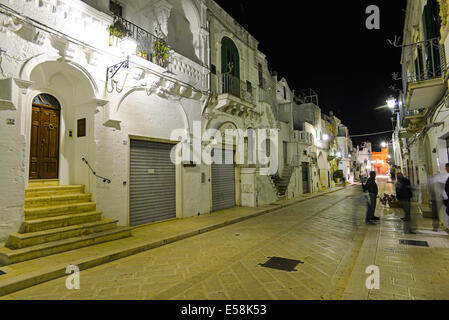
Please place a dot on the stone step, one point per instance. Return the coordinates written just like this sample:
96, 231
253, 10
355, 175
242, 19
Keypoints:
60, 210
23, 240
32, 192
43, 182
60, 221
8, 256
39, 202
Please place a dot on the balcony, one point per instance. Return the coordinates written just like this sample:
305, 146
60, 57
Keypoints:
423, 69
413, 120
303, 137
234, 95
84, 23
148, 45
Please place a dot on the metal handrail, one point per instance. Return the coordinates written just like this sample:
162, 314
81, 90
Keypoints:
105, 180
425, 60
225, 83
144, 39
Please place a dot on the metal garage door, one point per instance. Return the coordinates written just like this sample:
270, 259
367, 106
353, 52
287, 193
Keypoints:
223, 183
152, 183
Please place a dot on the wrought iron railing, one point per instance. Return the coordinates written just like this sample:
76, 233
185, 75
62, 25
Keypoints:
146, 41
229, 84
423, 61
105, 180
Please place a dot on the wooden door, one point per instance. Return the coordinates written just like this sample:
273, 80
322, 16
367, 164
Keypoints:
44, 150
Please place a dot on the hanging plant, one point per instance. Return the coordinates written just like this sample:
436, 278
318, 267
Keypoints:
142, 52
160, 49
118, 29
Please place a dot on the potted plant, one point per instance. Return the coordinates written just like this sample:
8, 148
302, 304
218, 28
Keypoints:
142, 53
118, 30
161, 50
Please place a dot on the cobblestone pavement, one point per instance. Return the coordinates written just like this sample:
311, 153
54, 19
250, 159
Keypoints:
327, 234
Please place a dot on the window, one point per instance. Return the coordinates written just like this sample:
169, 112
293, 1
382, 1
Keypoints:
285, 93
268, 147
249, 87
230, 60
431, 20
213, 69
116, 8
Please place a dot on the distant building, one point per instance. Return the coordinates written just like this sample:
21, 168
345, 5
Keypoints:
364, 159
380, 162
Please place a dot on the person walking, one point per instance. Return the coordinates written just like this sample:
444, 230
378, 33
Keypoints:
371, 188
404, 195
393, 173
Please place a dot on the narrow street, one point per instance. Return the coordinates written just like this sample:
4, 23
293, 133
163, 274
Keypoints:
327, 234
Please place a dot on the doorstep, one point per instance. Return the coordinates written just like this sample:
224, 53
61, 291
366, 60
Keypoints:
29, 273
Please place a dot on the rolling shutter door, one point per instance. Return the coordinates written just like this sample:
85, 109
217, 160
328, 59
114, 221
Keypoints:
152, 183
223, 184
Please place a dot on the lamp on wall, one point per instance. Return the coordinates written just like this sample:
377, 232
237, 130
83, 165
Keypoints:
128, 46
391, 102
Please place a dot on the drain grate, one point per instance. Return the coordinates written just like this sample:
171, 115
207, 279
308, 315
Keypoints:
414, 243
2, 272
281, 264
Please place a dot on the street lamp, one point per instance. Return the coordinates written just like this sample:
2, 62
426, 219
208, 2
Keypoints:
391, 103
128, 47
383, 144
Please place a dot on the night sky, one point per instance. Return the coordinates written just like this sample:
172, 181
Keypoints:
324, 45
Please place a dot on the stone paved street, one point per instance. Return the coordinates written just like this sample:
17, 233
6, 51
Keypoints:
327, 234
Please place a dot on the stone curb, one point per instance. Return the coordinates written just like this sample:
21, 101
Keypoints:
30, 279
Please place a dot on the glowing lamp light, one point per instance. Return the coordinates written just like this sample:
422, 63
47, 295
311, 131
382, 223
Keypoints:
391, 103
383, 144
325, 137
339, 154
128, 46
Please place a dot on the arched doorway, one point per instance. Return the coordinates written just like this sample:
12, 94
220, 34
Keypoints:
45, 135
230, 67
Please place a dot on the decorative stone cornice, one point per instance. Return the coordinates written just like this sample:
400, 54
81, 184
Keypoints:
10, 91
10, 25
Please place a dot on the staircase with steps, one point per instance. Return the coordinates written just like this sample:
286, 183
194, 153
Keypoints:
58, 219
281, 182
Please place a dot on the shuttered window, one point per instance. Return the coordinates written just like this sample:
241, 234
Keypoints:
230, 60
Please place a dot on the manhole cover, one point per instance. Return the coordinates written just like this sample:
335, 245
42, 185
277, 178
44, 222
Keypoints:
2, 272
414, 243
282, 264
